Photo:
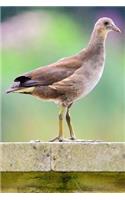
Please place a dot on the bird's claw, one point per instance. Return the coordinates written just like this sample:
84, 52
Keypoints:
34, 141
59, 139
73, 138
82, 140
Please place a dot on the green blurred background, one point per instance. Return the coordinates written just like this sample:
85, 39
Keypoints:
37, 36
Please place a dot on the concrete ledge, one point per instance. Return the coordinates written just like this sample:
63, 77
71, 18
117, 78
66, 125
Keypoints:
62, 157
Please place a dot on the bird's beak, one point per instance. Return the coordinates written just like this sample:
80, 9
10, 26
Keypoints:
113, 27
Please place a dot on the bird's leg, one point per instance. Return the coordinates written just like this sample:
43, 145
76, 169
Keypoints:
61, 116
68, 120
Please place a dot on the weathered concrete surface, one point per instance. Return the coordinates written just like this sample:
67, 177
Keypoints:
62, 182
62, 167
92, 157
68, 157
24, 157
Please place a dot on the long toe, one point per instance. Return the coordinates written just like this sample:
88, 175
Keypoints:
34, 141
94, 141
82, 140
76, 140
58, 139
73, 138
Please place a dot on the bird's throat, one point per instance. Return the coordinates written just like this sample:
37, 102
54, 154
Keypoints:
98, 38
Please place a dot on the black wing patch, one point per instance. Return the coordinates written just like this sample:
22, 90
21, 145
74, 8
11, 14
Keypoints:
22, 79
26, 81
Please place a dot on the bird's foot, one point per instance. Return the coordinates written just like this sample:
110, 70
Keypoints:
94, 141
73, 139
59, 139
34, 141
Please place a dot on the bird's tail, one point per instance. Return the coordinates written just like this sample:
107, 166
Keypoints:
17, 88
14, 87
23, 84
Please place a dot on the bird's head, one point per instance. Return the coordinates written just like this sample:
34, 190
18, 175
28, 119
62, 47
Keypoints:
105, 25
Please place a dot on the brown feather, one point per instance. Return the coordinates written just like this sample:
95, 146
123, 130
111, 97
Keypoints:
55, 72
70, 78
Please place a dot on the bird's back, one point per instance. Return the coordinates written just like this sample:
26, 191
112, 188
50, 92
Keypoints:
50, 74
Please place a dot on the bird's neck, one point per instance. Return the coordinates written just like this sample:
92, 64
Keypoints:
97, 39
96, 45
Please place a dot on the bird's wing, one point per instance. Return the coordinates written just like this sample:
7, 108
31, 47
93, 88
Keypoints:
68, 83
50, 74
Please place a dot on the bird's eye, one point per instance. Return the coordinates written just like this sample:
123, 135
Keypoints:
106, 23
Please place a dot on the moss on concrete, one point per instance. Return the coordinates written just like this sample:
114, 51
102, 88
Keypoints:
62, 182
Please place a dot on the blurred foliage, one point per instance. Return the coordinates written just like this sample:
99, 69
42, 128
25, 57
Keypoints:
34, 37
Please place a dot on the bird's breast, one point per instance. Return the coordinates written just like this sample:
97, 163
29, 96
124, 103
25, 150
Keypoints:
90, 76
